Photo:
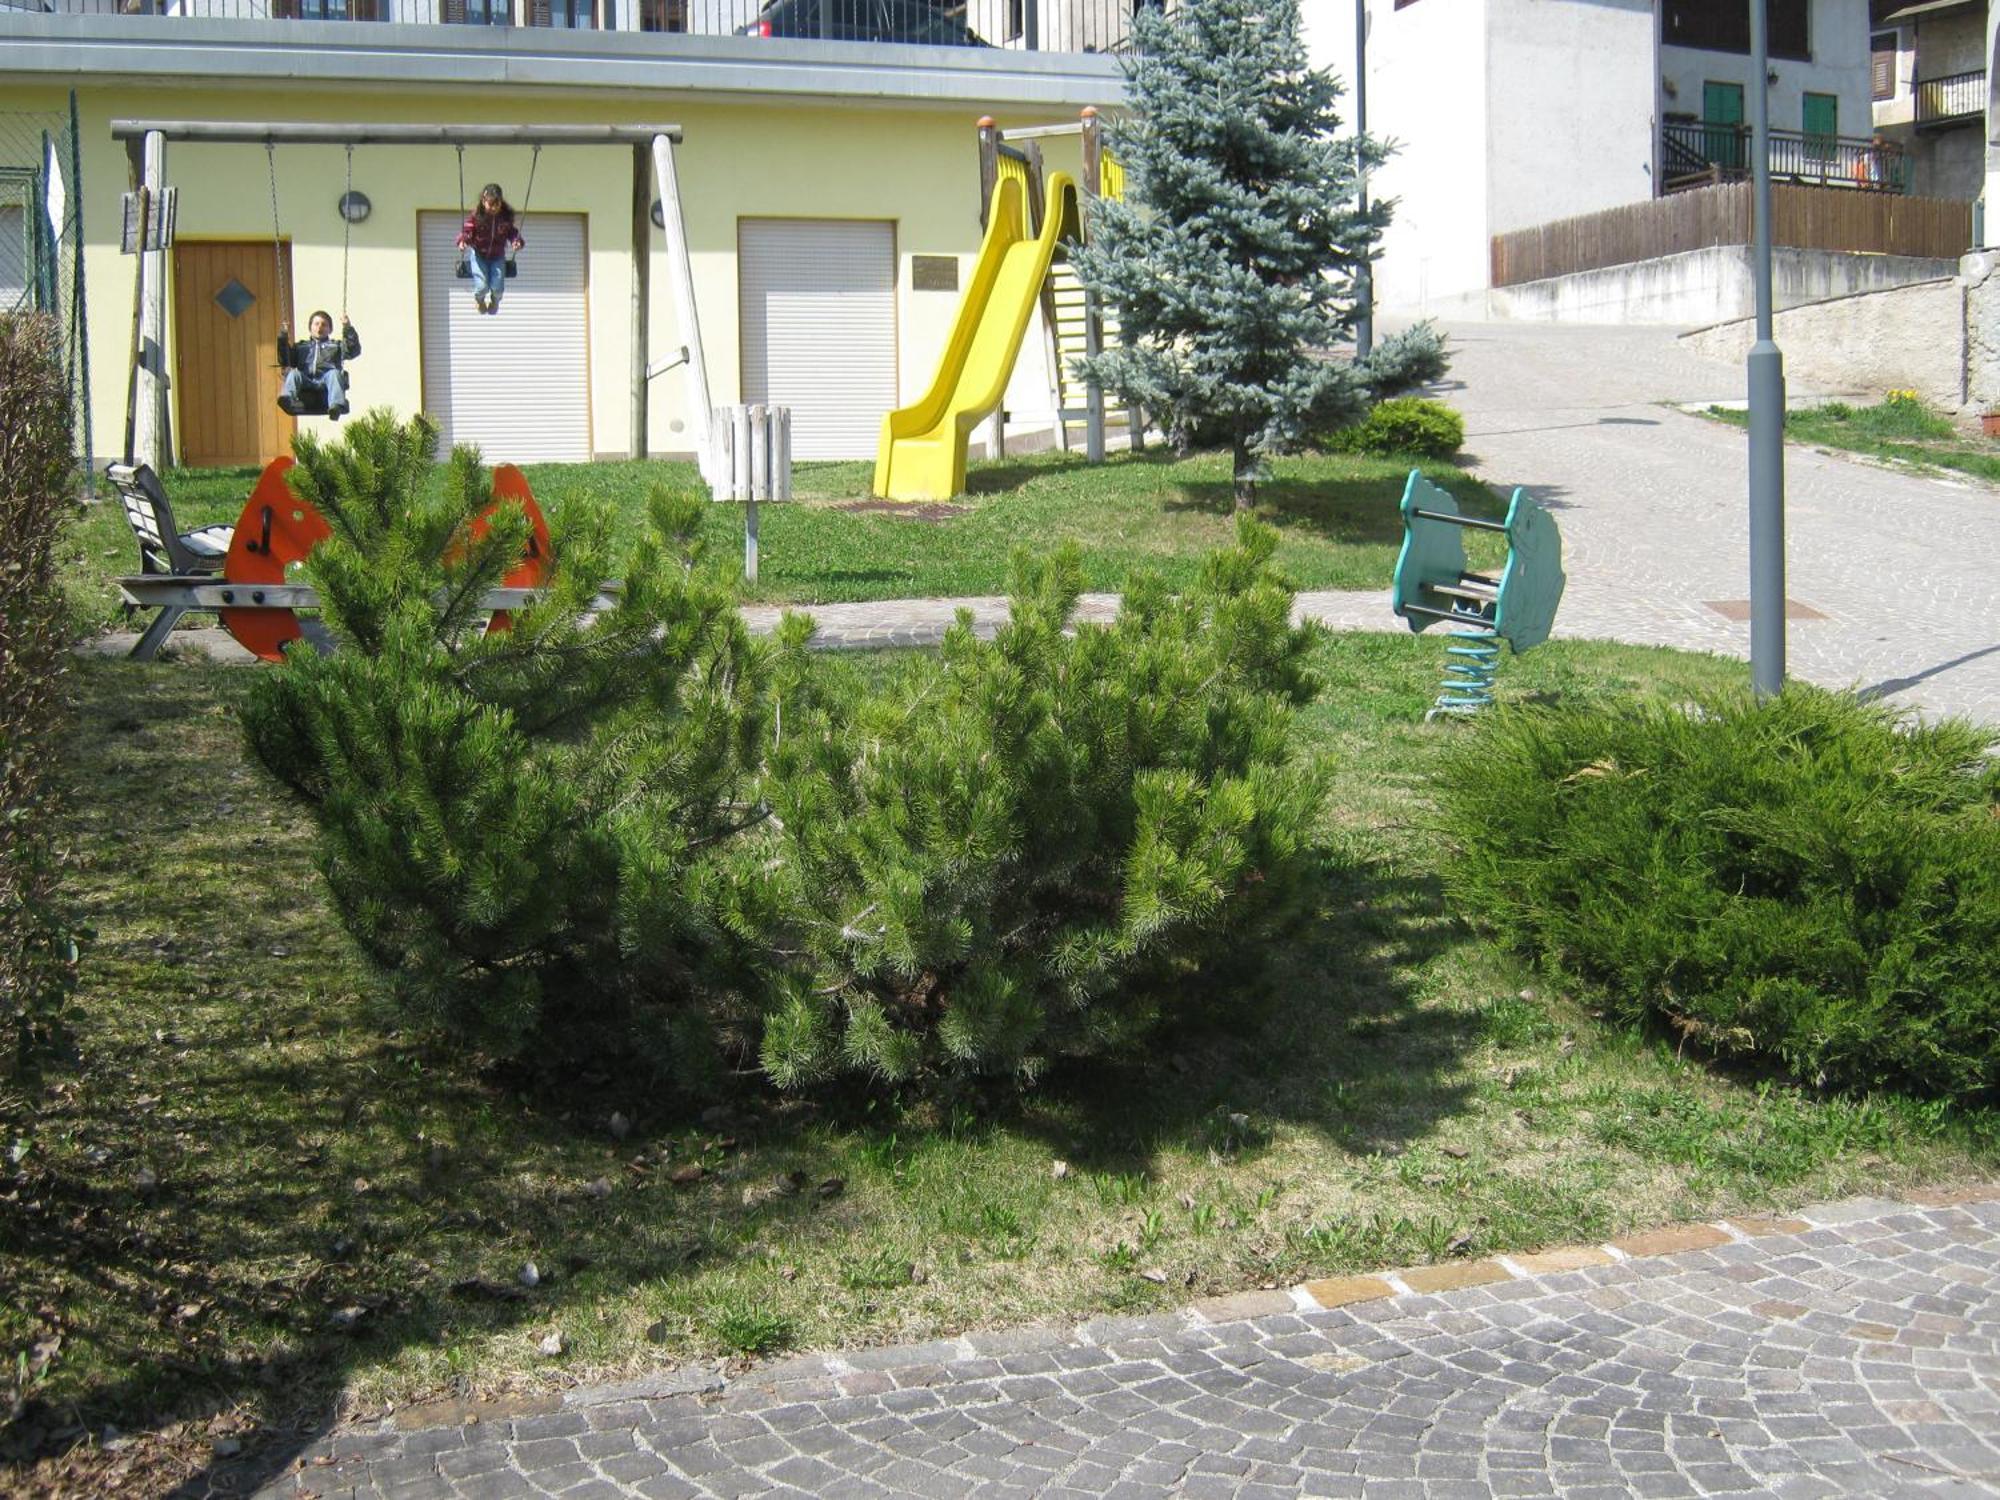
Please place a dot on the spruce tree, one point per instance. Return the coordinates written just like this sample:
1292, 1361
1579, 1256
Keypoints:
1230, 260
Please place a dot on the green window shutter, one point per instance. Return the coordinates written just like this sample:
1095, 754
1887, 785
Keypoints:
1821, 122
1722, 117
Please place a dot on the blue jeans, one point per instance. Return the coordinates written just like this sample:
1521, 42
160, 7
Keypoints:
304, 389
489, 274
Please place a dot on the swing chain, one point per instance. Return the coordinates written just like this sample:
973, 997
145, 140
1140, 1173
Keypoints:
346, 233
528, 198
277, 236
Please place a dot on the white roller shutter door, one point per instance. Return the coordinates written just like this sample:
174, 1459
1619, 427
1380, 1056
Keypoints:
516, 383
819, 328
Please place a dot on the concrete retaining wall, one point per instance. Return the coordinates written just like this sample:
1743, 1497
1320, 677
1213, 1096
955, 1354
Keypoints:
1705, 286
1902, 338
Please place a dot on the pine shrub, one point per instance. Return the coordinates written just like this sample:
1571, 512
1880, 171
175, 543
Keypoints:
1027, 848
1408, 427
1807, 880
38, 498
526, 831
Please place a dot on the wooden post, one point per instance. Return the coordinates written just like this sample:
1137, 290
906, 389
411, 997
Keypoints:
642, 283
150, 444
1093, 322
989, 178
989, 165
680, 272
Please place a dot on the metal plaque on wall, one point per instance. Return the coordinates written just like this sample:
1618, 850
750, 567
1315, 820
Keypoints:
933, 273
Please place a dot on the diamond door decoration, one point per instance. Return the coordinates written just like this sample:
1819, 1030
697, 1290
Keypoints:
235, 298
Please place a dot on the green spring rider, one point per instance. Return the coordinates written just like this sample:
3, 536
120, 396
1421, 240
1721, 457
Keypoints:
1435, 585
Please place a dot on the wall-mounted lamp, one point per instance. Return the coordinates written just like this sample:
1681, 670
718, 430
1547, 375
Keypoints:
354, 207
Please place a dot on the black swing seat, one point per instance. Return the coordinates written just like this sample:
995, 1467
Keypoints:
163, 548
312, 405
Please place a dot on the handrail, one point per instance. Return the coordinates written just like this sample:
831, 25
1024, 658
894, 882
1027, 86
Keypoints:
1951, 96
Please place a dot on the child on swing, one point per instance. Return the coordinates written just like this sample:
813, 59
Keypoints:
488, 235
316, 366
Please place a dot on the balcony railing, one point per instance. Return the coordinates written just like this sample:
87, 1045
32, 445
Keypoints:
1954, 97
1698, 154
1025, 25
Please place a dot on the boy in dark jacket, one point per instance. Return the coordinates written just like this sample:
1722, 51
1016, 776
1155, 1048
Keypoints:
316, 366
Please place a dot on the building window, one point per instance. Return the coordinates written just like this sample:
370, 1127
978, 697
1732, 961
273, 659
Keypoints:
1017, 20
1882, 64
1718, 26
663, 15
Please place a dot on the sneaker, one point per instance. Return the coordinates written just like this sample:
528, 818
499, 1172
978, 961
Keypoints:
479, 300
335, 413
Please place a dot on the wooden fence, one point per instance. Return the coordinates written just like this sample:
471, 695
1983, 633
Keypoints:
1802, 218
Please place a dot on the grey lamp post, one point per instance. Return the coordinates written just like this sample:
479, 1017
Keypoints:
1767, 401
1364, 277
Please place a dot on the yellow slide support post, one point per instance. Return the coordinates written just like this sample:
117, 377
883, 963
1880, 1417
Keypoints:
922, 456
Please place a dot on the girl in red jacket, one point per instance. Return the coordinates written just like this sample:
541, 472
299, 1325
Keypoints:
488, 240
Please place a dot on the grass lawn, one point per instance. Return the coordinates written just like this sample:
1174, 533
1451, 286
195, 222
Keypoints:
1336, 516
1900, 431
248, 1192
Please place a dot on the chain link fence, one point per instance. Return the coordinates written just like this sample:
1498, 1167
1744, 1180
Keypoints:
41, 240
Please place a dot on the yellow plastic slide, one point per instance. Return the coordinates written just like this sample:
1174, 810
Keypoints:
922, 456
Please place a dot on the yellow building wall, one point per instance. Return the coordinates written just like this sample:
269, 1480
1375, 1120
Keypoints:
915, 166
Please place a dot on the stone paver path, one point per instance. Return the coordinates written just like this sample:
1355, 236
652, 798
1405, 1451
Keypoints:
1854, 1350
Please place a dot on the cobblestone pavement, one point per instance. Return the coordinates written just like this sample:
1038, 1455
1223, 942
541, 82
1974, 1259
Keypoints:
1853, 1350
1895, 577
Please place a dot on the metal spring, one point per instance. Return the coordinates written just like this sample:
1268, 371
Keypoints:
1468, 674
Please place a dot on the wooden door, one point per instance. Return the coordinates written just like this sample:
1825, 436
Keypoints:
226, 377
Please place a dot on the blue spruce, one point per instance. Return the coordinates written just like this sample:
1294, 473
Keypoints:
1231, 260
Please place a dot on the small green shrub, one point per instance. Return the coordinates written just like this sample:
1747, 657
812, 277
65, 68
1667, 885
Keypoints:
742, 1326
1806, 880
523, 829
1028, 847
39, 931
1903, 414
1407, 427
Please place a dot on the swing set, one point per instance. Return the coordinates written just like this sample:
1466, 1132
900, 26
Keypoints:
257, 595
654, 173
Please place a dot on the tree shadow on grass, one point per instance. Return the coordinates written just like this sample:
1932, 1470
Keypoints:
1281, 1035
1003, 476
1347, 511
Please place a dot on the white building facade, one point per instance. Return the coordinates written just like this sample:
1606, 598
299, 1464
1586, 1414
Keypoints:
1510, 113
